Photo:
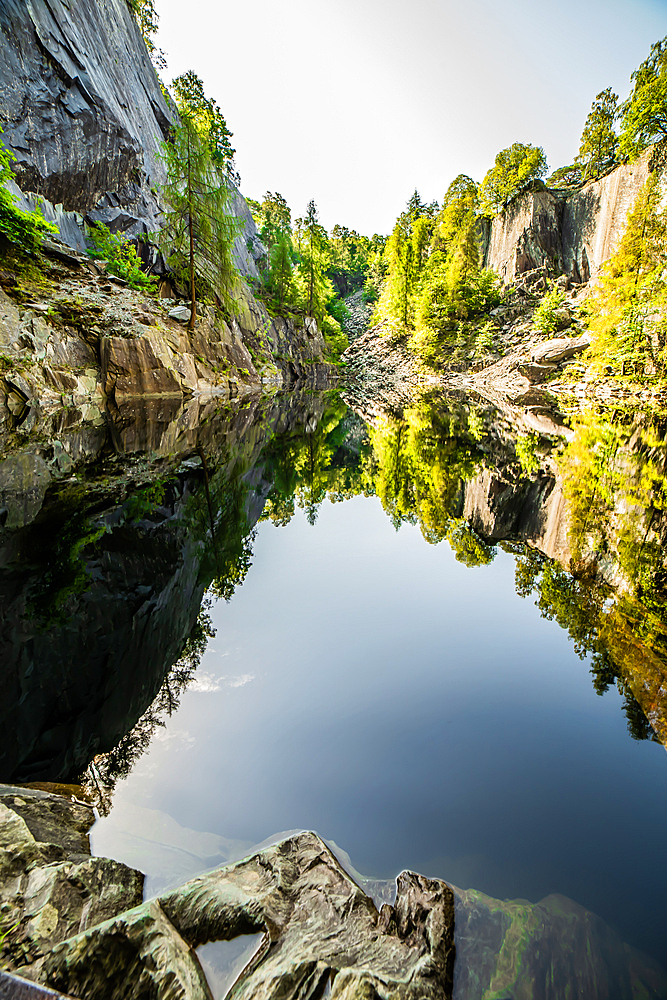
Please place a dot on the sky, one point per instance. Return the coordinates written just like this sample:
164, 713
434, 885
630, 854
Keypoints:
355, 103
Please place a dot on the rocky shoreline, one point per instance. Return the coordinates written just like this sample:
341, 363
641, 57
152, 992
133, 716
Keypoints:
77, 924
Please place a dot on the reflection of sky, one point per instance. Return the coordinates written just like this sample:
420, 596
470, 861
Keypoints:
364, 684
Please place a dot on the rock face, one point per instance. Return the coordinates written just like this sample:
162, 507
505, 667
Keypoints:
80, 926
321, 932
84, 115
50, 887
83, 110
571, 232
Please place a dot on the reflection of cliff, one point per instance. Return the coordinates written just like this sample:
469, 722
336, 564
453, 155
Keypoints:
103, 584
589, 501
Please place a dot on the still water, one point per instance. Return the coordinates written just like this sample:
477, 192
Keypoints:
364, 684
421, 694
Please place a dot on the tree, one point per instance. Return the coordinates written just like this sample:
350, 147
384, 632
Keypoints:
626, 313
644, 114
599, 140
514, 168
148, 20
198, 232
454, 285
569, 176
207, 119
405, 254
316, 288
273, 219
281, 269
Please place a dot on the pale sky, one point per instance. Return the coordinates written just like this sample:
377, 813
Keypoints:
356, 102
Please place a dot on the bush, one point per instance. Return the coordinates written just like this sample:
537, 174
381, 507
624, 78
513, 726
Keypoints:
23, 230
544, 317
121, 256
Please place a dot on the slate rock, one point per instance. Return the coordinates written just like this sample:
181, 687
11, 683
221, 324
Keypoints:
558, 349
181, 313
321, 931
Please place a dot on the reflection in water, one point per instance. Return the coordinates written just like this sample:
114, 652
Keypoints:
118, 538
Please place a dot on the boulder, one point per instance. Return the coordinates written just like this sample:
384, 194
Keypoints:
321, 932
50, 887
536, 372
558, 349
180, 313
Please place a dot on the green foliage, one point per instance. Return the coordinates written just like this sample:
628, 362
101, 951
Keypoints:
206, 118
454, 286
514, 168
627, 313
599, 141
22, 230
526, 452
644, 113
273, 218
468, 547
148, 20
281, 271
484, 340
570, 176
544, 317
198, 230
120, 254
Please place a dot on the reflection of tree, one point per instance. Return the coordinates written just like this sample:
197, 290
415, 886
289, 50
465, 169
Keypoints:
106, 770
418, 467
578, 604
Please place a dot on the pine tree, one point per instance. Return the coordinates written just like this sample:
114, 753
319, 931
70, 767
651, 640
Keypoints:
644, 114
207, 119
316, 289
599, 140
281, 270
198, 231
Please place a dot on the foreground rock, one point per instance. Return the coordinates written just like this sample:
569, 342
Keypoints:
50, 887
320, 929
322, 934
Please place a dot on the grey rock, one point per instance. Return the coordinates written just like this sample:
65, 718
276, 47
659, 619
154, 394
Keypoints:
17, 988
181, 313
321, 930
558, 349
97, 114
50, 887
536, 372
573, 232
24, 479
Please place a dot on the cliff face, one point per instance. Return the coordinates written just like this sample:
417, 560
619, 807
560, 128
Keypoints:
575, 233
84, 115
82, 106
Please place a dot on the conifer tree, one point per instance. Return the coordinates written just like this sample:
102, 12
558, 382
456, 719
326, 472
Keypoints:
207, 119
316, 289
281, 270
198, 231
644, 114
599, 140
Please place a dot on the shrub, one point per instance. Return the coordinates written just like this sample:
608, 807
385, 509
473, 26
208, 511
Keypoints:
544, 317
121, 256
23, 230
